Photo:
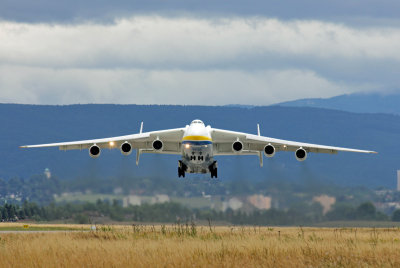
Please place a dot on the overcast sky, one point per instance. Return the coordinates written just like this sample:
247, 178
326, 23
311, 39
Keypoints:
199, 52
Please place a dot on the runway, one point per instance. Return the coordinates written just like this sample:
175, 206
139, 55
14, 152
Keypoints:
41, 231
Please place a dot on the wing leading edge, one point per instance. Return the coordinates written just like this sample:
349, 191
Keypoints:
253, 144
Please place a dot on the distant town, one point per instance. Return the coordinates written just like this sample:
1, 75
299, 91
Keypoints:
274, 201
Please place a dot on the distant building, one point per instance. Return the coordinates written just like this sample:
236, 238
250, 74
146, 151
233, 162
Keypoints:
133, 200
398, 180
387, 207
159, 198
118, 190
326, 202
207, 196
47, 173
260, 201
233, 203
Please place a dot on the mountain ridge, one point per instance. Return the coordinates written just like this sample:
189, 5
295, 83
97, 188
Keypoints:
356, 102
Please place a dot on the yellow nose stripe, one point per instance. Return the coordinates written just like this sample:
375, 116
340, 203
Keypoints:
196, 138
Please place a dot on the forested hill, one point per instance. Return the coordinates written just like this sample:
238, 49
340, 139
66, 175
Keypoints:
357, 102
30, 124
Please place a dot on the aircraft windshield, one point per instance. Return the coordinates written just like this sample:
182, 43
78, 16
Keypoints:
197, 122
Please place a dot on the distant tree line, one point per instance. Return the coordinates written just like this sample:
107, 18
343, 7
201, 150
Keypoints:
365, 211
173, 212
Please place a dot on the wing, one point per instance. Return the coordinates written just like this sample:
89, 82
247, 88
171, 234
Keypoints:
171, 139
254, 144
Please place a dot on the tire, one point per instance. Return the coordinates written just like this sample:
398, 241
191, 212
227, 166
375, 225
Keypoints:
214, 173
179, 172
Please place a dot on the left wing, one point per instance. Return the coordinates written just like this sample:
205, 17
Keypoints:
170, 138
254, 144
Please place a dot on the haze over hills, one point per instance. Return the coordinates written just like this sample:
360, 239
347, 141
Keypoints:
34, 124
358, 102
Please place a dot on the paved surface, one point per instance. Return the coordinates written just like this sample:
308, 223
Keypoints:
37, 231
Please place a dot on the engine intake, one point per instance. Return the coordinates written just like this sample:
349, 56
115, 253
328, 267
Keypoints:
94, 151
126, 148
269, 150
157, 145
301, 154
237, 146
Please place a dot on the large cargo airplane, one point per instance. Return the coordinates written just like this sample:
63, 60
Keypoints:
198, 144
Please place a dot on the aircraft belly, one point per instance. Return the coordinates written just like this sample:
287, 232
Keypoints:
197, 158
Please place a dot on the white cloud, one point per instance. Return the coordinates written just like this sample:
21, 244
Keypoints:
153, 59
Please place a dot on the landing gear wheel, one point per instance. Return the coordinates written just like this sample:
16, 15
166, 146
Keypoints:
181, 169
213, 170
214, 173
181, 173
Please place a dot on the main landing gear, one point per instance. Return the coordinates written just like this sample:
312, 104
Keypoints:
181, 169
213, 170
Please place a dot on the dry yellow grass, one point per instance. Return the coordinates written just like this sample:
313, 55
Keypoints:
184, 246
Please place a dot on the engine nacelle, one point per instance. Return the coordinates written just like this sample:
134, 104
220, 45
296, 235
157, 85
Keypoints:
158, 145
94, 151
237, 146
126, 148
269, 150
301, 154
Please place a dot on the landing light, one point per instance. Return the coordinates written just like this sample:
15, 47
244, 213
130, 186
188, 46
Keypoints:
112, 143
187, 146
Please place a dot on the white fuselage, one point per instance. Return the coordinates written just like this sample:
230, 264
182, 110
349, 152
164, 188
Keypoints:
197, 148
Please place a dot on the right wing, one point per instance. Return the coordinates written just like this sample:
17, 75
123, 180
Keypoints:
254, 144
171, 139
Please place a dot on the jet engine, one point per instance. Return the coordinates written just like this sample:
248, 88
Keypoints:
94, 151
301, 154
237, 146
126, 148
269, 150
158, 145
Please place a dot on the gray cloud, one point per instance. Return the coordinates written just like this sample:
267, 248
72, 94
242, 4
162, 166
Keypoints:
356, 11
185, 60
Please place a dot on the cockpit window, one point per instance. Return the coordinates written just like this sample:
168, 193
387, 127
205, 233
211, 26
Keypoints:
197, 122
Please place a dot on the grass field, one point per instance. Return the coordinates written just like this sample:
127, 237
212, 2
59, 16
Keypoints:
202, 246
